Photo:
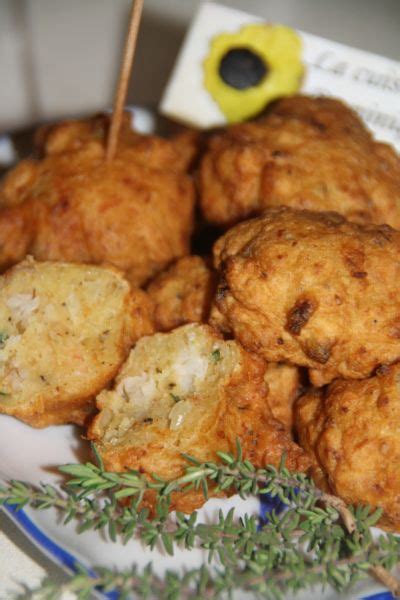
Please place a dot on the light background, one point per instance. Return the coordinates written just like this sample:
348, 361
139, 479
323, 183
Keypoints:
60, 57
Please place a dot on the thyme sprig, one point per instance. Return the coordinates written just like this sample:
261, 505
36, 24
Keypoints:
91, 496
316, 539
204, 582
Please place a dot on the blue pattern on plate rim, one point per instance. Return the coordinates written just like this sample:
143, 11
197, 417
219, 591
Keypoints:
379, 596
51, 548
267, 505
70, 562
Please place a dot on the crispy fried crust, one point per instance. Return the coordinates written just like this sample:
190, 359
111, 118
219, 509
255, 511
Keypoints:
308, 153
284, 385
188, 391
142, 315
190, 145
183, 293
352, 431
65, 331
314, 290
135, 212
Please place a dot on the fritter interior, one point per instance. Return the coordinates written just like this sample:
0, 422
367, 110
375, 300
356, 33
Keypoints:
189, 392
64, 332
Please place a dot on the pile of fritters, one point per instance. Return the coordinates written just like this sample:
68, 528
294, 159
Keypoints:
289, 334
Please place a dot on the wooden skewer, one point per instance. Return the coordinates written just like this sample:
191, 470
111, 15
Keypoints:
124, 75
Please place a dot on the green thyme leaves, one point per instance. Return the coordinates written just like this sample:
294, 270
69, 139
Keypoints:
338, 548
215, 356
175, 398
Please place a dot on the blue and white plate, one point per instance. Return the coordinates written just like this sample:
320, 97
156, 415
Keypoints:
32, 455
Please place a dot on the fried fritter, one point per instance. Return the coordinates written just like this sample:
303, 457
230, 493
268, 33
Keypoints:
307, 153
65, 330
135, 212
179, 152
183, 293
312, 289
284, 385
351, 429
188, 391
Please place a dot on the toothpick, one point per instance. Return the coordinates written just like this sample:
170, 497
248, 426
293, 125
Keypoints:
122, 88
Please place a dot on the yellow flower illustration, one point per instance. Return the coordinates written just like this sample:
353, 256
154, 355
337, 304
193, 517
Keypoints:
244, 71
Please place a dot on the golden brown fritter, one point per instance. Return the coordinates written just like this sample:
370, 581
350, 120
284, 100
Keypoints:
284, 385
308, 153
65, 330
351, 429
312, 289
188, 391
135, 212
190, 144
183, 293
179, 152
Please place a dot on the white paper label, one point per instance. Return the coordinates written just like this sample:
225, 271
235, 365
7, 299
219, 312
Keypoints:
368, 82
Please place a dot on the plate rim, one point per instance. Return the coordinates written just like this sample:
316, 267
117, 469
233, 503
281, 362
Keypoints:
53, 550
67, 561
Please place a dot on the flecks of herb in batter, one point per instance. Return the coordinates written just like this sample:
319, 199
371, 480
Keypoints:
175, 398
216, 356
3, 338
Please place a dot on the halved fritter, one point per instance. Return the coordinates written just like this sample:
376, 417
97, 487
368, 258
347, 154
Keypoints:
307, 153
188, 391
183, 293
313, 290
64, 332
351, 429
134, 212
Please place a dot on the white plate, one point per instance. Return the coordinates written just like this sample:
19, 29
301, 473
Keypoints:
33, 455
